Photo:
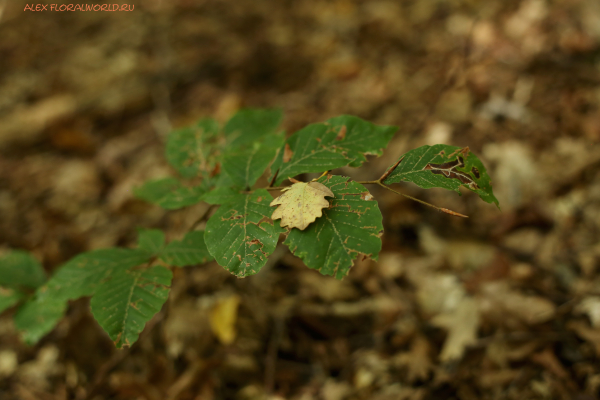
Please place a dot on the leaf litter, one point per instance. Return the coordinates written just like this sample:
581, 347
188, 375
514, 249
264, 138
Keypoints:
543, 170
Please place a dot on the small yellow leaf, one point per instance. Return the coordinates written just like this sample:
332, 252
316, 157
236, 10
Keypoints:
301, 204
222, 319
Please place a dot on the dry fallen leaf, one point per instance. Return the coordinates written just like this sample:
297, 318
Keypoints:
301, 204
461, 324
223, 317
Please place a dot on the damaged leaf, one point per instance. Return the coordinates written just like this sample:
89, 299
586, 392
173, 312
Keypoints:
340, 141
301, 204
443, 166
350, 227
126, 300
240, 235
78, 277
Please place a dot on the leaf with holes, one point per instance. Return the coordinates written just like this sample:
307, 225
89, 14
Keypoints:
125, 301
443, 166
340, 141
245, 165
301, 204
250, 125
169, 193
20, 269
240, 235
351, 226
193, 150
189, 251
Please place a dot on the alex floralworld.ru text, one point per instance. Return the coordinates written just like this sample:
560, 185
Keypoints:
79, 7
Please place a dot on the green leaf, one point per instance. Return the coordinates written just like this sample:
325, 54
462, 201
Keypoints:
124, 303
189, 251
246, 164
250, 125
237, 239
340, 141
81, 275
20, 269
9, 297
351, 226
191, 150
37, 317
151, 240
443, 166
221, 195
169, 193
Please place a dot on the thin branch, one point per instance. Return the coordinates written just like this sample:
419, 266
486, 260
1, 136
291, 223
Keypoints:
444, 210
380, 183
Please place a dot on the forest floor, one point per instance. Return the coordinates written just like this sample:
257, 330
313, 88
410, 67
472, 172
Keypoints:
502, 305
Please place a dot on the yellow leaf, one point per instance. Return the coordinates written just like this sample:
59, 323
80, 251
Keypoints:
223, 317
301, 204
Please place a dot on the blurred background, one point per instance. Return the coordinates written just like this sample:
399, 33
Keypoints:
503, 305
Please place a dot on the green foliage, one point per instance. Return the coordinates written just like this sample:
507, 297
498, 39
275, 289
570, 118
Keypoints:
248, 126
245, 165
221, 166
444, 166
81, 275
221, 195
151, 240
236, 237
125, 301
38, 316
9, 297
19, 273
126, 289
189, 251
351, 226
169, 193
191, 150
19, 269
332, 144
